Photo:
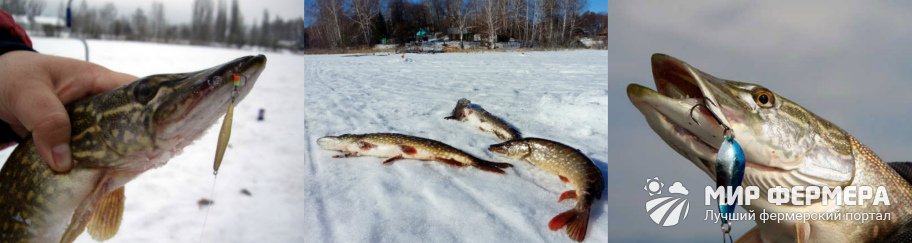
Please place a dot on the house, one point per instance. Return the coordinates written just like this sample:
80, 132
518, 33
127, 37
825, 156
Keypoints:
41, 25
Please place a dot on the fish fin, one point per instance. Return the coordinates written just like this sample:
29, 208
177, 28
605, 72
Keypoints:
802, 232
346, 155
752, 236
576, 220
564, 179
392, 159
408, 149
450, 162
84, 212
489, 166
567, 194
107, 215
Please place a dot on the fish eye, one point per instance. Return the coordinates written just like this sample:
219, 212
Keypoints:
144, 92
764, 98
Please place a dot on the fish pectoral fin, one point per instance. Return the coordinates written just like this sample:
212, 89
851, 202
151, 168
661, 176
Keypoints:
450, 162
106, 217
392, 159
802, 232
567, 194
346, 155
489, 166
563, 179
752, 236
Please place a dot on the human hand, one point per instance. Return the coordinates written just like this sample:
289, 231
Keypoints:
33, 90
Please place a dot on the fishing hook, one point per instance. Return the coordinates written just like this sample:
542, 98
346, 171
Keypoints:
718, 120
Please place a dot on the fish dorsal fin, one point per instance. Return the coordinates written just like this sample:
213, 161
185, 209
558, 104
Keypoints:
106, 217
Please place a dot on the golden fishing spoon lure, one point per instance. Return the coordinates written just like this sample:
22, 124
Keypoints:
225, 133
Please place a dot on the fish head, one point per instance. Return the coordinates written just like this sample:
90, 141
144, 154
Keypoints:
463, 107
338, 143
783, 143
516, 149
153, 118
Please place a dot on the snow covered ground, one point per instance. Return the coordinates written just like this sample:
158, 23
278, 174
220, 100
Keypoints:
300, 194
556, 95
266, 158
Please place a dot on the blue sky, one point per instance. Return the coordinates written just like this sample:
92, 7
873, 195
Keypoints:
599, 6
848, 64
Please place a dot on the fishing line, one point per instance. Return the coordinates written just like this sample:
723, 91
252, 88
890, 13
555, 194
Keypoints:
208, 208
730, 163
223, 142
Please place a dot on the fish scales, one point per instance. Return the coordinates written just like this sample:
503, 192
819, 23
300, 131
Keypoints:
116, 136
569, 164
399, 146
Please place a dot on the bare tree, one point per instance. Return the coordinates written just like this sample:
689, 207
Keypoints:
491, 16
363, 11
331, 12
236, 25
34, 8
159, 25
201, 23
107, 17
140, 25
221, 22
459, 12
13, 6
265, 37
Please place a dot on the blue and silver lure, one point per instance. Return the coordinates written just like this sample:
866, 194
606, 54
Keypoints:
729, 173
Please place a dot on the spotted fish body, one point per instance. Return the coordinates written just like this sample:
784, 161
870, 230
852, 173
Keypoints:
478, 117
572, 166
116, 136
398, 146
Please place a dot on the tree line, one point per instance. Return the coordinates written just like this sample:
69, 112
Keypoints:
335, 24
212, 23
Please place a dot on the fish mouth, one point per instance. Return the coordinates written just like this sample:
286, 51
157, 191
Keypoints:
679, 111
329, 143
199, 100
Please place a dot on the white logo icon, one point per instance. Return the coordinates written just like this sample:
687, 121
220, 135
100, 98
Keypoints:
668, 210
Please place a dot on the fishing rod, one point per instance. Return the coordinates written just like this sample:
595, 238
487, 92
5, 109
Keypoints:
69, 25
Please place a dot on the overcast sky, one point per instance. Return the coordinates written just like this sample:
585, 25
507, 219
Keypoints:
179, 11
849, 63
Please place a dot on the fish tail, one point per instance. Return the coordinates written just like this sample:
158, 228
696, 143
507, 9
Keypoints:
576, 220
490, 166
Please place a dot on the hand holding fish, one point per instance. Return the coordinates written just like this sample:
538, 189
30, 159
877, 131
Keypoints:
33, 89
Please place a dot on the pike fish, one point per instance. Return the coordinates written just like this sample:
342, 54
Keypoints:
784, 144
398, 146
478, 117
116, 136
571, 166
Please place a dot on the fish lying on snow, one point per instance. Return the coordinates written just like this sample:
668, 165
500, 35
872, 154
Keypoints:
397, 146
116, 136
571, 166
483, 120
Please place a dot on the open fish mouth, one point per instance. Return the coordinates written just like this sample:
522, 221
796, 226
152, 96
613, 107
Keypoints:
784, 144
199, 99
679, 111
